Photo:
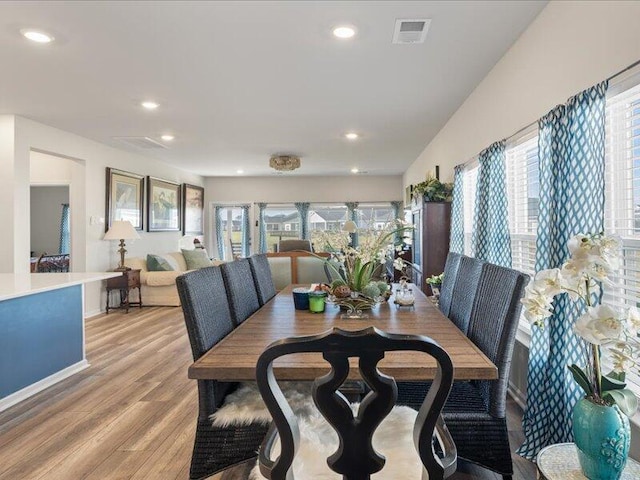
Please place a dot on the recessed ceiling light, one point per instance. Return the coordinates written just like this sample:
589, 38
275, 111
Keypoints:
149, 105
167, 138
37, 36
351, 136
344, 31
241, 171
354, 170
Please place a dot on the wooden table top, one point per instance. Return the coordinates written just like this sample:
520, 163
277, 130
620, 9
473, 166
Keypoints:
234, 358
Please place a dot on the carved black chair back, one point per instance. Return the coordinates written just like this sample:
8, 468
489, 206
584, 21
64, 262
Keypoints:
355, 458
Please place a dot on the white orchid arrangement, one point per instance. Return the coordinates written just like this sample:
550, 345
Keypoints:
593, 259
358, 264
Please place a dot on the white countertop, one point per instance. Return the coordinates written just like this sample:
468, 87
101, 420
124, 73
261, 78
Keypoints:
14, 285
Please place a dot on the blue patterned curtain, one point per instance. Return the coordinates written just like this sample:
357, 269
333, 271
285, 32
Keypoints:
65, 230
352, 214
262, 226
219, 233
246, 231
303, 211
571, 150
491, 239
396, 208
456, 241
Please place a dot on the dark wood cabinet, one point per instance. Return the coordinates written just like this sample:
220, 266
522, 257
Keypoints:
432, 221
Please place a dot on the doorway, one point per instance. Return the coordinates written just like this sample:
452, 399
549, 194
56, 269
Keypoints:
50, 224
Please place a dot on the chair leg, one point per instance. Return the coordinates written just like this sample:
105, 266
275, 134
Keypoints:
506, 477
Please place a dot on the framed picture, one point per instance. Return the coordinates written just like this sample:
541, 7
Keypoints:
125, 198
192, 210
163, 205
408, 194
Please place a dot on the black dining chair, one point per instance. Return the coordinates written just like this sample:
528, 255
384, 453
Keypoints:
241, 289
464, 292
355, 459
448, 282
476, 410
262, 278
208, 320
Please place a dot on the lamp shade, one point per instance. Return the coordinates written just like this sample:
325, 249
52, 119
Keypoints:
350, 226
121, 230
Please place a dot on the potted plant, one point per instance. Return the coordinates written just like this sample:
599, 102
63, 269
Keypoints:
435, 282
433, 190
600, 419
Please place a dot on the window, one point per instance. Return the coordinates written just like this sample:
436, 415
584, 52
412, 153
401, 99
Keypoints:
327, 216
622, 199
523, 194
282, 222
373, 216
470, 181
622, 192
232, 224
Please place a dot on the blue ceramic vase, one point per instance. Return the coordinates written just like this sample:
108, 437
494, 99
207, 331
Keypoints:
602, 436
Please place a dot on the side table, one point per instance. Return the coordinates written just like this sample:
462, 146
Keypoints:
560, 462
129, 280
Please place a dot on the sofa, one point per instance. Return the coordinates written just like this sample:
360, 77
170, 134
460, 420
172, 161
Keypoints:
159, 288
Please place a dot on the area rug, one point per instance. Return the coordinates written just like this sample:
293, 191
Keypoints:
393, 438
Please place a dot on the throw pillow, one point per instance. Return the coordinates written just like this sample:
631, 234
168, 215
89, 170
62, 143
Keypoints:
155, 263
197, 258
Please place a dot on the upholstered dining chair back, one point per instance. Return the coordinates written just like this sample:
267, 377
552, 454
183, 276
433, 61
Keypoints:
289, 245
493, 326
262, 278
208, 320
241, 289
464, 291
356, 458
448, 282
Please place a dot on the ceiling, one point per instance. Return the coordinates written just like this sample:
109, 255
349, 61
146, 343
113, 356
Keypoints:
240, 81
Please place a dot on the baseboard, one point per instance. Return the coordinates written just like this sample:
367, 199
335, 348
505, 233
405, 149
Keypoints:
518, 395
93, 313
47, 382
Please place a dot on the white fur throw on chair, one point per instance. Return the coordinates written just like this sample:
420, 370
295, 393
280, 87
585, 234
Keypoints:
318, 440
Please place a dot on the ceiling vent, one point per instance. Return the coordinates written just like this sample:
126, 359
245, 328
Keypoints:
145, 143
411, 30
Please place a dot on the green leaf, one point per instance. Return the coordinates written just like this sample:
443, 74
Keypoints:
581, 379
609, 383
620, 376
625, 399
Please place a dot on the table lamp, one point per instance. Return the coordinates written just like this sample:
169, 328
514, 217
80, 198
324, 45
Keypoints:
350, 226
121, 230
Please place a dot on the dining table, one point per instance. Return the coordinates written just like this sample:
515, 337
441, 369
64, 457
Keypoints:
234, 358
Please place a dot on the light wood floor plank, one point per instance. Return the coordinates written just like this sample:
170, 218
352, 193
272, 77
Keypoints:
130, 415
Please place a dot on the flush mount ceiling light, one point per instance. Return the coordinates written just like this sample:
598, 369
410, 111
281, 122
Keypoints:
240, 172
37, 36
284, 163
167, 138
344, 31
149, 105
351, 136
354, 170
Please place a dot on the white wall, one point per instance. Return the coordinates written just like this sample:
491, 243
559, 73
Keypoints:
303, 189
570, 46
46, 209
18, 138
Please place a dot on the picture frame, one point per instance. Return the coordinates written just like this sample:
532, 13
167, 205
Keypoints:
124, 198
408, 196
163, 205
192, 209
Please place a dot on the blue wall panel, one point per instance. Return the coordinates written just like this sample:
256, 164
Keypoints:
40, 334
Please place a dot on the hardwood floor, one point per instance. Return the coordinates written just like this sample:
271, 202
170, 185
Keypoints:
131, 414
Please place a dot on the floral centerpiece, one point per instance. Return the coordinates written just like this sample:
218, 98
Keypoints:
601, 432
357, 271
435, 282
